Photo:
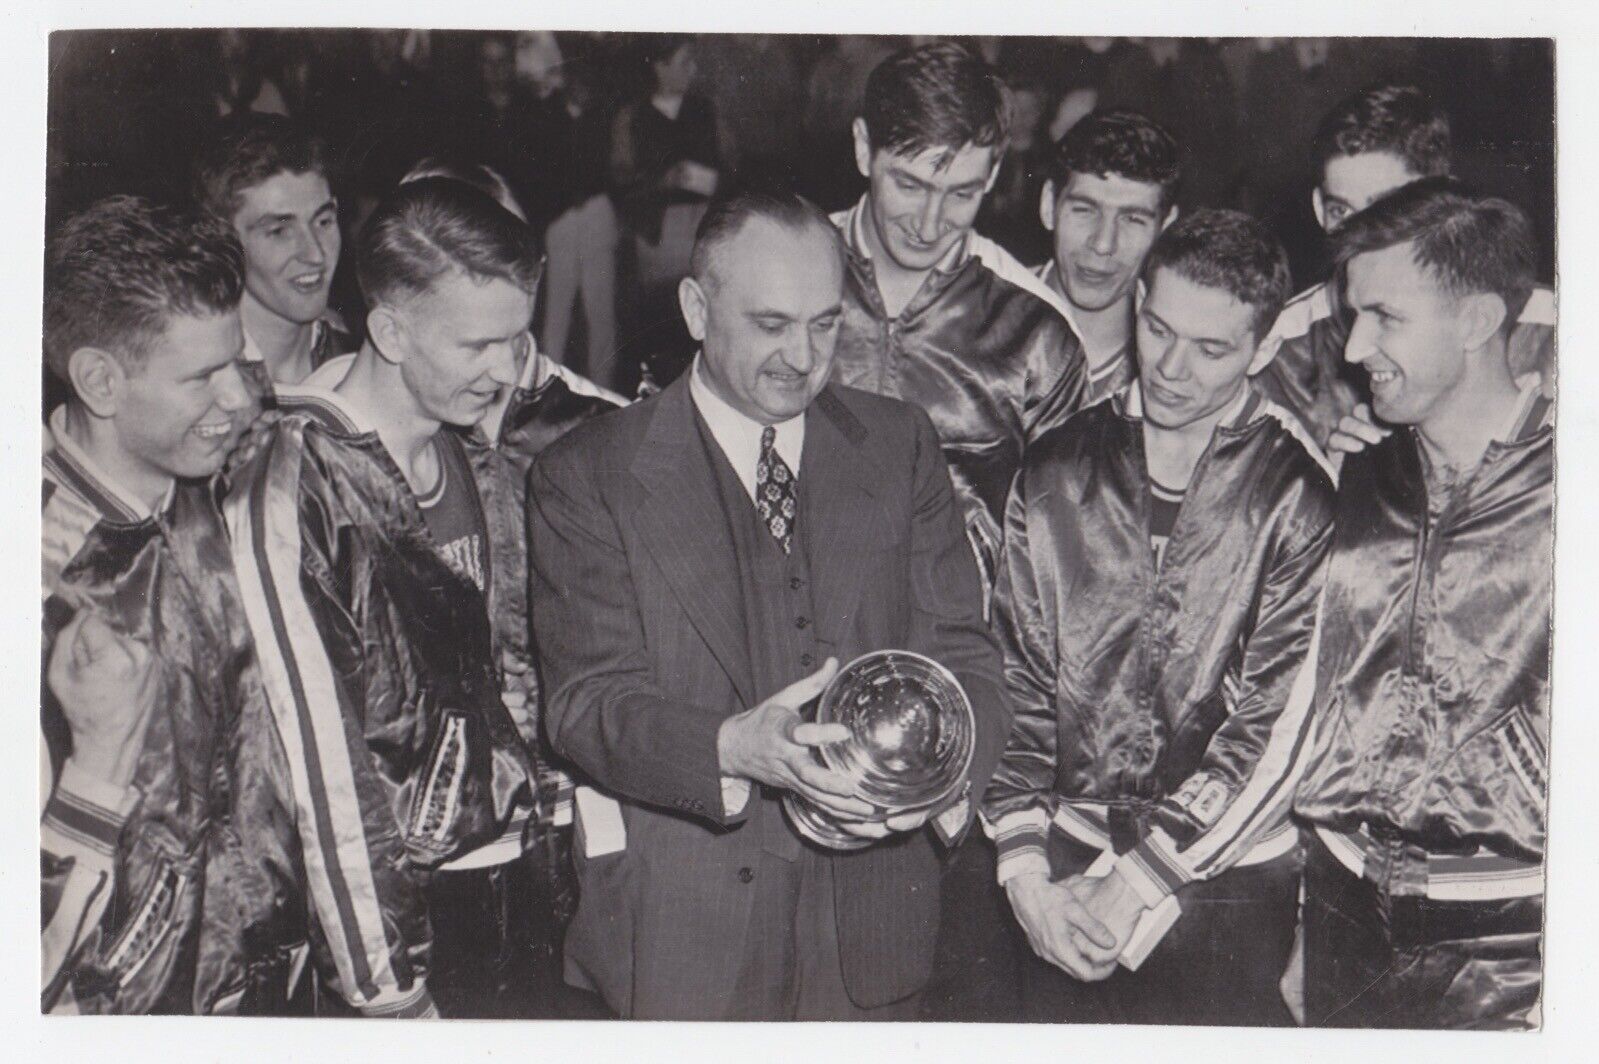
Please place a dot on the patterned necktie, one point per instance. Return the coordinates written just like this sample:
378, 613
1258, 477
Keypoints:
774, 491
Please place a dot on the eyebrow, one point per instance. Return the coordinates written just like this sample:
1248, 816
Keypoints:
906, 175
1164, 324
286, 216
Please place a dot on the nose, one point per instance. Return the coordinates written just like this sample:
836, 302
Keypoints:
1362, 343
802, 355
311, 250
1172, 362
506, 365
1103, 240
231, 392
930, 219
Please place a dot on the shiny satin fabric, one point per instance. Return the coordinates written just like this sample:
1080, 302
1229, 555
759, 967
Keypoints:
1433, 681
1127, 679
991, 361
439, 764
1375, 960
174, 936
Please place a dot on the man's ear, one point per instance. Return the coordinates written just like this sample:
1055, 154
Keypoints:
1319, 208
390, 333
863, 147
1481, 316
691, 297
98, 379
1046, 204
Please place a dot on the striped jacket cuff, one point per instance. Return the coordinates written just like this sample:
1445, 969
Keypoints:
1021, 840
413, 1004
1152, 869
85, 813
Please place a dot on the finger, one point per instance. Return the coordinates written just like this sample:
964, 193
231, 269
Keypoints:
908, 821
800, 692
1344, 443
834, 784
818, 734
69, 653
1082, 921
841, 807
1360, 429
865, 829
1093, 953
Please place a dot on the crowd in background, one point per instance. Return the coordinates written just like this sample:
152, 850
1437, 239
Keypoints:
614, 142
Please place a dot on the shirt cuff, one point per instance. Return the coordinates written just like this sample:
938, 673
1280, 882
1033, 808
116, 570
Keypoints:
735, 795
1152, 869
413, 1004
1020, 841
86, 812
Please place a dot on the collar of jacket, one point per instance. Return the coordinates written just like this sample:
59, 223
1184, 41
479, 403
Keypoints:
72, 467
1244, 411
852, 226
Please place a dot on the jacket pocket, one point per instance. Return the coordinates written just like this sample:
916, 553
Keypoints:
433, 810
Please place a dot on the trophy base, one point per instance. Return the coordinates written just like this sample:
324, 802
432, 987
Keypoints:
819, 827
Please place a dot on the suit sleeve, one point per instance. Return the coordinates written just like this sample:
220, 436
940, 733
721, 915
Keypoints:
366, 900
1243, 786
947, 616
1017, 806
604, 710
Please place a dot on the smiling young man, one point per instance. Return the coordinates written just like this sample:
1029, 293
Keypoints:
267, 177
1425, 792
1111, 191
1371, 144
934, 313
1164, 554
366, 560
152, 688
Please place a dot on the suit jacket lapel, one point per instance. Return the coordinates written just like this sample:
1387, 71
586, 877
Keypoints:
839, 485
683, 524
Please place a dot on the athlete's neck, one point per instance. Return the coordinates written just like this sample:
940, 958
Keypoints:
1171, 454
96, 437
896, 285
376, 386
1106, 331
1458, 430
285, 345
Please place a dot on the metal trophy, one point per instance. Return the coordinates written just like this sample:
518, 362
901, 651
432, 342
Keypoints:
911, 733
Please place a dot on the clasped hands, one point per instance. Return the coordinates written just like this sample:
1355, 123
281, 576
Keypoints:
1078, 924
771, 744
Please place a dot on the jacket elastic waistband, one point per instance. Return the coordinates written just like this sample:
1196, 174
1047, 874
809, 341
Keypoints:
1089, 824
1479, 876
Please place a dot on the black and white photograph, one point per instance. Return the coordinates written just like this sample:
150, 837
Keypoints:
562, 521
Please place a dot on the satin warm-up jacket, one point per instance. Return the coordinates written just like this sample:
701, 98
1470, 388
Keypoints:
1433, 687
1161, 711
986, 348
378, 659
148, 895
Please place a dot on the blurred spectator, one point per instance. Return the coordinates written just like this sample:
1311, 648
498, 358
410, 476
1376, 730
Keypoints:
1009, 214
666, 163
754, 82
238, 77
833, 96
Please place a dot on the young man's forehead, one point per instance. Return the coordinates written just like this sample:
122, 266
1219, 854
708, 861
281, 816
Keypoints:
1114, 189
968, 162
286, 192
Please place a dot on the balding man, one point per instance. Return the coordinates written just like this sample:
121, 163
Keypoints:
700, 561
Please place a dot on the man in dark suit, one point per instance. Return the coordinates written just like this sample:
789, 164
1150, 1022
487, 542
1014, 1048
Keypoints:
700, 561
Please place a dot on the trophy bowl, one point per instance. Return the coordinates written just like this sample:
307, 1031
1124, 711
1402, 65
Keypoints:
911, 733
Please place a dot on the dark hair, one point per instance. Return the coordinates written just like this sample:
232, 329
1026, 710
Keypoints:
661, 47
1397, 119
726, 218
1469, 242
246, 149
938, 97
1118, 142
431, 226
1229, 250
115, 274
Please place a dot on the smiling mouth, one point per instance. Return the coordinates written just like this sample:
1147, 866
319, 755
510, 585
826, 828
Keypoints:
309, 282
213, 432
1165, 396
1383, 376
